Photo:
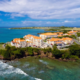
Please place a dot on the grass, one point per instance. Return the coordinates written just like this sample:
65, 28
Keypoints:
71, 29
9, 44
1, 47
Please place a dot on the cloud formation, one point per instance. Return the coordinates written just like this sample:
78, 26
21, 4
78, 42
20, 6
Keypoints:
42, 9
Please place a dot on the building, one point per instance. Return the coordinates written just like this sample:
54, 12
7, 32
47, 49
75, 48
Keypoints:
48, 35
53, 41
72, 32
67, 40
34, 41
17, 42
63, 41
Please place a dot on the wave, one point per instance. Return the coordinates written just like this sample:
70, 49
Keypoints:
8, 70
43, 62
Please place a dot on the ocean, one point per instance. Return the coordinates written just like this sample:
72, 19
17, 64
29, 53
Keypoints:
32, 68
39, 69
7, 35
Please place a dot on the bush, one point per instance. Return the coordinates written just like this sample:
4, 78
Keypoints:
35, 50
57, 53
47, 50
6, 54
65, 54
30, 51
78, 34
17, 53
74, 50
74, 57
73, 36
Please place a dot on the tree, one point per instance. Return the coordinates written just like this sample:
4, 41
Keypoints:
65, 54
78, 34
57, 53
7, 54
30, 50
74, 50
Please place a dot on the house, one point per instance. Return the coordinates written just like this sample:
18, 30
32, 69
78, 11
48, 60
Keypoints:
67, 40
72, 32
48, 35
28, 37
59, 41
17, 42
53, 41
35, 40
29, 43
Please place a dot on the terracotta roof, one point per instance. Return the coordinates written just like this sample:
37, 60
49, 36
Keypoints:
72, 31
16, 39
67, 38
55, 39
36, 37
69, 34
21, 40
49, 34
29, 35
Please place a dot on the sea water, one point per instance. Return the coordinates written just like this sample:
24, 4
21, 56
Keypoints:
39, 69
7, 35
35, 69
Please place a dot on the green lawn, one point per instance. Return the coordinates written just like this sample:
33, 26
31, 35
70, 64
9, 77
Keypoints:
1, 46
71, 29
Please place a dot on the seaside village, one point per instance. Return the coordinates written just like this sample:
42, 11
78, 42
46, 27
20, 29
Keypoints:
44, 40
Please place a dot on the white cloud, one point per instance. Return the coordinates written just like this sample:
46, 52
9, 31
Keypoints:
42, 9
67, 21
41, 23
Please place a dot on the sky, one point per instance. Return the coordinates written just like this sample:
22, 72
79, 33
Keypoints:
23, 13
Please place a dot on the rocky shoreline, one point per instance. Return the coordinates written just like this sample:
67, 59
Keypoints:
49, 56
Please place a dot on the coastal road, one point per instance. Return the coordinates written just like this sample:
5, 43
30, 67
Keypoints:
76, 41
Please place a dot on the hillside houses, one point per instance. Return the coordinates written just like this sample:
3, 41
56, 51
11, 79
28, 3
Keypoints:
48, 35
17, 42
39, 41
33, 40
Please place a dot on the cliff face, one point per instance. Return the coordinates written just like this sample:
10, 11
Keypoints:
1, 57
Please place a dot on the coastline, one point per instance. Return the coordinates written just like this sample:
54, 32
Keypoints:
39, 57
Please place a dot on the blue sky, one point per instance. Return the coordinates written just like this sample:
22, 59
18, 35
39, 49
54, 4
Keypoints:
20, 13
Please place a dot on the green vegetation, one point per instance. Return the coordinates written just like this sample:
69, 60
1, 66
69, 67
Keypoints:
12, 53
78, 34
73, 36
57, 53
1, 46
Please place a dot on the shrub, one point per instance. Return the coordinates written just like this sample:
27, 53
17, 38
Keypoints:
73, 36
30, 51
6, 54
65, 54
78, 34
74, 50
57, 53
74, 57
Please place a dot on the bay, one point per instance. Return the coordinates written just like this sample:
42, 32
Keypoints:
35, 69
7, 35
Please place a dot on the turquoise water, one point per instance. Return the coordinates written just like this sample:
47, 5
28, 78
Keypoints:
7, 34
39, 69
35, 69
